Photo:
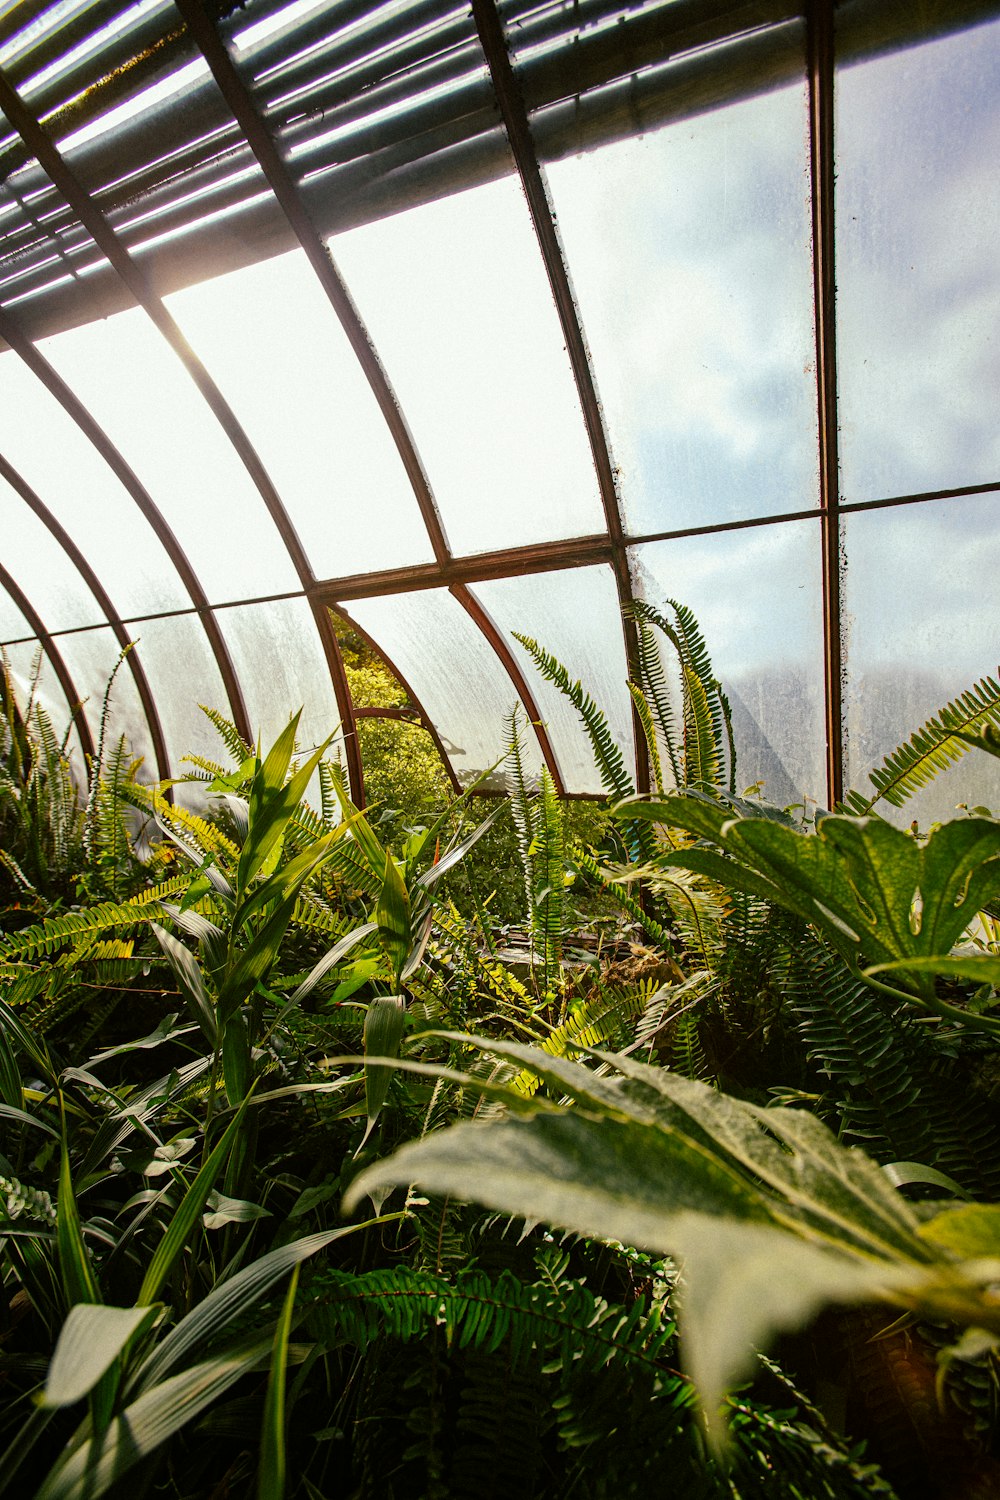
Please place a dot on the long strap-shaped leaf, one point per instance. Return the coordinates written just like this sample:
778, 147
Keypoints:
86, 1474
184, 1220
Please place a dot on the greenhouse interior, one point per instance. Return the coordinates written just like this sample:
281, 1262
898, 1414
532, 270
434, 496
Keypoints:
499, 749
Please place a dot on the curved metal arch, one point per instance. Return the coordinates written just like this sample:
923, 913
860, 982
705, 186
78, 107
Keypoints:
90, 578
107, 241
518, 130
483, 619
73, 700
265, 150
424, 718
133, 486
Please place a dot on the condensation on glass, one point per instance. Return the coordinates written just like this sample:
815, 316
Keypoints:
757, 597
140, 393
456, 298
183, 675
278, 658
41, 567
270, 338
454, 672
93, 658
918, 270
922, 626
689, 252
574, 616
64, 468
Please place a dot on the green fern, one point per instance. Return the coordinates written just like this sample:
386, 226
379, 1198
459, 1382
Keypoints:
44, 939
608, 757
932, 748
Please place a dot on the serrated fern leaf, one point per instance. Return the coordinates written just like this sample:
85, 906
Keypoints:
653, 677
596, 1023
608, 757
229, 734
645, 716
932, 748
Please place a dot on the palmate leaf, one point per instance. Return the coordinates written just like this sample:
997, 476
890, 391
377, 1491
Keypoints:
772, 1218
939, 743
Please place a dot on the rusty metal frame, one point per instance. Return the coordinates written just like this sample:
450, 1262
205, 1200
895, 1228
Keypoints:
90, 578
422, 716
131, 483
517, 127
73, 700
320, 259
51, 161
482, 618
820, 43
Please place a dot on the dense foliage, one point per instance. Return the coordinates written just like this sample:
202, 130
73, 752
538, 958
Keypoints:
765, 1087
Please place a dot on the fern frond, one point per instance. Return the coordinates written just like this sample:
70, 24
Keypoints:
653, 677
549, 896
229, 734
645, 715
932, 748
608, 757
596, 1023
521, 796
48, 937
654, 929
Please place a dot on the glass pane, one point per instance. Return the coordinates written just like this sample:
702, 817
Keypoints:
91, 656
13, 625
757, 596
575, 616
66, 472
689, 251
183, 674
272, 341
917, 639
279, 660
452, 669
42, 569
918, 275
458, 304
140, 393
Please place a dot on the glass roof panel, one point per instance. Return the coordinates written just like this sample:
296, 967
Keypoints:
452, 669
183, 674
276, 348
456, 299
68, 474
911, 649
918, 275
573, 615
13, 625
279, 660
757, 596
91, 656
40, 567
689, 251
125, 373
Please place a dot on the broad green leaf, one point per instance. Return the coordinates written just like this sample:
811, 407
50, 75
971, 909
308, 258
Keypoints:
980, 968
385, 1023
256, 960
615, 1179
271, 1472
190, 981
90, 1340
273, 803
223, 1210
142, 1427
167, 1031
744, 1283
291, 877
969, 1232
393, 918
